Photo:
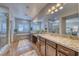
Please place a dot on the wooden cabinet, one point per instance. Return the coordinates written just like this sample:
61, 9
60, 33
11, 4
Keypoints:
65, 51
47, 48
50, 48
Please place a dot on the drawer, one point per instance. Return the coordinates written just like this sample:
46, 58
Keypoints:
42, 39
65, 50
51, 43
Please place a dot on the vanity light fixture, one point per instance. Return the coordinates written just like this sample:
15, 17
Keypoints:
61, 7
55, 8
58, 4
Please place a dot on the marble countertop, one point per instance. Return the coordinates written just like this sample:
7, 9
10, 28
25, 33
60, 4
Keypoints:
67, 42
35, 35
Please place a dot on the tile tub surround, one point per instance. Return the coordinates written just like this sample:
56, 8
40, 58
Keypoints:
62, 40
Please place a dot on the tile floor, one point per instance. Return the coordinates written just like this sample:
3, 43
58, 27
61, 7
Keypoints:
22, 48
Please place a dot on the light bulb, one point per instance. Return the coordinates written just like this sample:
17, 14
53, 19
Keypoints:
56, 10
53, 8
52, 12
49, 10
61, 7
58, 4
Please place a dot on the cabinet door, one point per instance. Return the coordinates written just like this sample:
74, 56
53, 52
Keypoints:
50, 51
42, 48
60, 54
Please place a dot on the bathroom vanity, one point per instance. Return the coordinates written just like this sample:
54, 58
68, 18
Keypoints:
56, 45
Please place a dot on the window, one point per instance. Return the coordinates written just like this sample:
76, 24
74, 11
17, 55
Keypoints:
22, 26
3, 30
3, 24
54, 26
36, 27
72, 26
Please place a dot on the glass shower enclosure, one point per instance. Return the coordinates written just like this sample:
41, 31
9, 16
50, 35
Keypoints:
3, 33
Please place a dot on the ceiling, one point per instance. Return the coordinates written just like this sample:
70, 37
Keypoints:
25, 9
32, 9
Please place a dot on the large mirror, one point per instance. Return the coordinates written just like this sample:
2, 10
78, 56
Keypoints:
35, 26
53, 26
64, 20
38, 26
72, 25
